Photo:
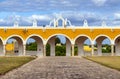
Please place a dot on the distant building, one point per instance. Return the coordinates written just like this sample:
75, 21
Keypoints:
12, 46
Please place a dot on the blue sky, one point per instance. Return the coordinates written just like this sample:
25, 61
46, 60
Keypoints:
95, 11
25, 11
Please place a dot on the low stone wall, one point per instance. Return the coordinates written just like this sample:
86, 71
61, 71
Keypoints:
31, 52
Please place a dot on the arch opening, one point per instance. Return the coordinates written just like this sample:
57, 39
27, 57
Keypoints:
117, 46
58, 45
34, 46
83, 46
1, 48
14, 46
103, 45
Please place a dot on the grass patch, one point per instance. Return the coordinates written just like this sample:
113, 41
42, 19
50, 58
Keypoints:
9, 63
109, 61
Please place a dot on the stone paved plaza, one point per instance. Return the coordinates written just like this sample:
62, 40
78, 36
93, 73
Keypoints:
62, 68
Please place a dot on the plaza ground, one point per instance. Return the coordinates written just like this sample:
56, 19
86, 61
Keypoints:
62, 68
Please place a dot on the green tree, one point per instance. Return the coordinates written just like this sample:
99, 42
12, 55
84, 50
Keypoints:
47, 50
57, 40
108, 48
60, 50
31, 46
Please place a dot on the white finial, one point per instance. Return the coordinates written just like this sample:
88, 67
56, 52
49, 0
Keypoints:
15, 24
70, 24
55, 23
104, 24
85, 23
34, 23
66, 21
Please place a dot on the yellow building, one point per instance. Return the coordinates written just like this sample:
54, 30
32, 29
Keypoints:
75, 35
9, 47
88, 48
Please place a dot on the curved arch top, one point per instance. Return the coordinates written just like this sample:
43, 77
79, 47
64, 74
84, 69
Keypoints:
14, 36
3, 42
34, 35
116, 38
59, 34
101, 36
81, 36
60, 18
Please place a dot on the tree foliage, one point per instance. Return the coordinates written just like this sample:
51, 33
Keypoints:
47, 50
61, 50
31, 46
57, 40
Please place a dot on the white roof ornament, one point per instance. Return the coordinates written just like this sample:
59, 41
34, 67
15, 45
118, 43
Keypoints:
69, 22
60, 18
50, 23
66, 22
34, 23
85, 23
55, 24
104, 24
15, 24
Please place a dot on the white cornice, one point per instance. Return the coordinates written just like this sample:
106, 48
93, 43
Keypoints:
70, 27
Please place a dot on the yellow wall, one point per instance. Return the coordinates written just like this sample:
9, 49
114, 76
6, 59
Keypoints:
48, 32
88, 48
9, 47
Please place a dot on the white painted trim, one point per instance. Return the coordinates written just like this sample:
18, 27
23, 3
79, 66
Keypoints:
116, 38
59, 34
100, 36
34, 35
2, 40
81, 36
14, 36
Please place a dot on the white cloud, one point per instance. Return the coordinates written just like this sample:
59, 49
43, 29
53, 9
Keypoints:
99, 2
8, 20
1, 20
76, 18
40, 17
117, 15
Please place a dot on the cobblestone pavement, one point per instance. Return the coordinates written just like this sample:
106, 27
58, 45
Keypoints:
62, 68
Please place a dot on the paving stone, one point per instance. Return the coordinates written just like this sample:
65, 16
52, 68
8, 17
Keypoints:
62, 68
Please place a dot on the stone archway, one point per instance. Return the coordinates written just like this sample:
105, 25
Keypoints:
1, 47
38, 42
51, 42
80, 41
117, 45
18, 44
99, 42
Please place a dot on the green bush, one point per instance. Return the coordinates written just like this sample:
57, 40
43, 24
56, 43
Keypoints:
60, 50
107, 50
76, 51
47, 50
31, 46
